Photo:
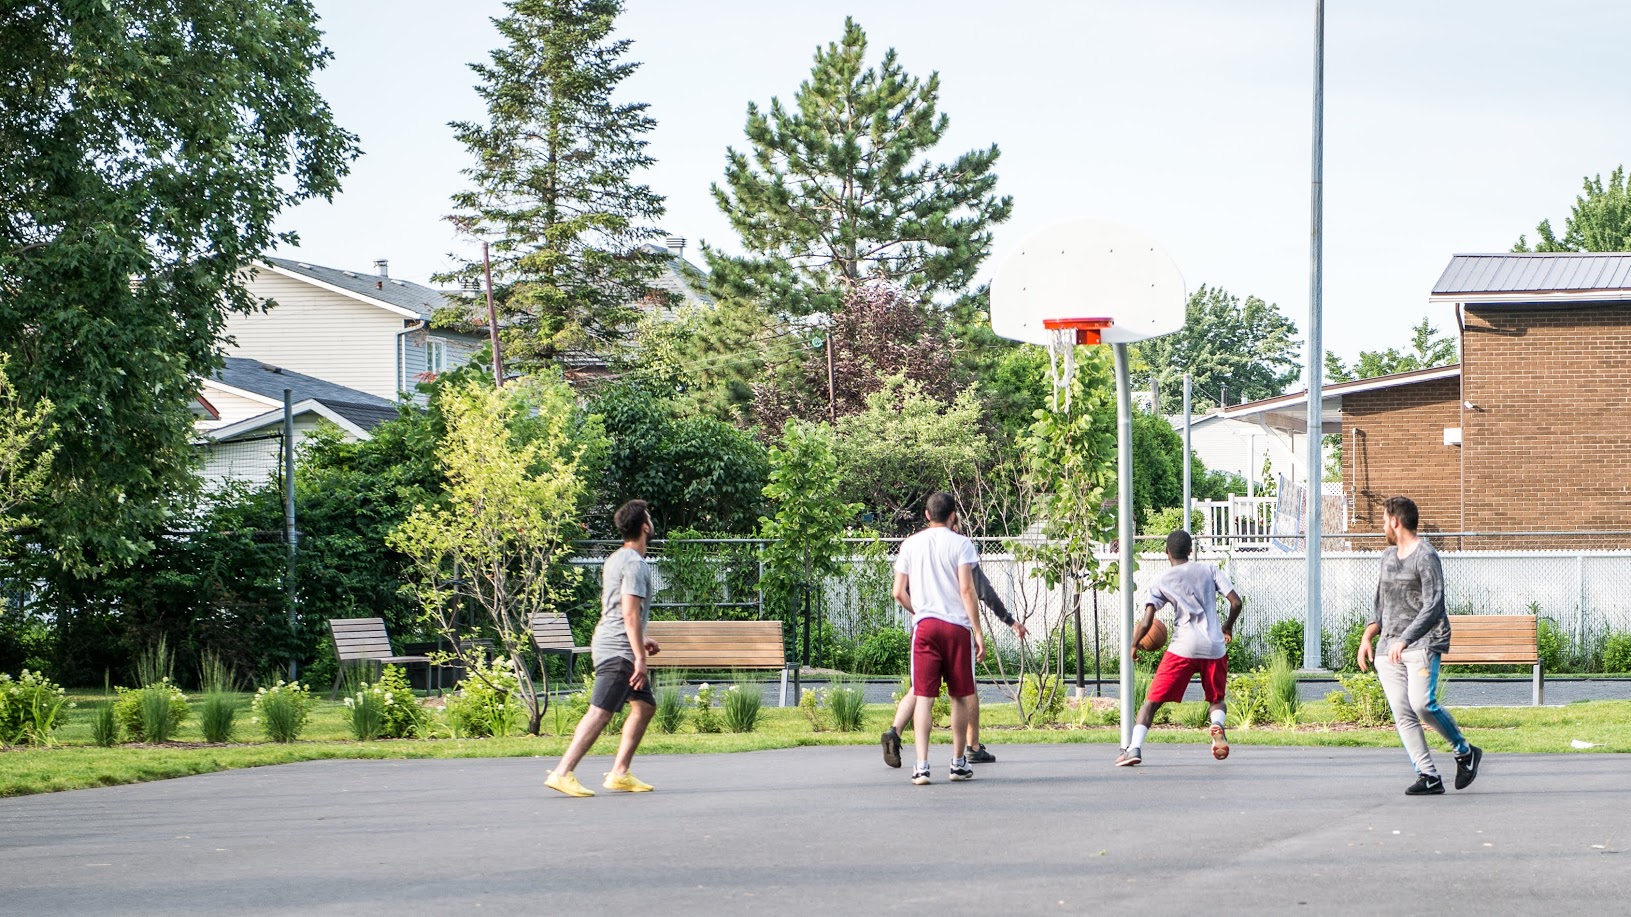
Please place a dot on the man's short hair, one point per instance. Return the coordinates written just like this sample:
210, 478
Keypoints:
1179, 544
631, 518
1403, 510
941, 506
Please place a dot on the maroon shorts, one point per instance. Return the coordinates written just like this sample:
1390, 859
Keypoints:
941, 649
1172, 677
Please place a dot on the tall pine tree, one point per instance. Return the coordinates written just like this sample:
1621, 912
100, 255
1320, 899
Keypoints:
553, 187
838, 190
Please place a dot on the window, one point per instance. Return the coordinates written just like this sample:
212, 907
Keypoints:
435, 355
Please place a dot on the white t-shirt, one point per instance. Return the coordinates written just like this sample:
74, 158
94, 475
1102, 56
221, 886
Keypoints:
1192, 589
930, 560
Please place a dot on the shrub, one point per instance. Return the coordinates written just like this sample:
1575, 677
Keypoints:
703, 715
282, 710
886, 651
486, 702
810, 704
29, 707
1243, 655
1287, 637
741, 708
367, 712
1043, 697
1361, 700
1281, 687
1552, 644
940, 712
1249, 698
1193, 716
670, 714
1350, 646
161, 705
848, 706
404, 717
1617, 652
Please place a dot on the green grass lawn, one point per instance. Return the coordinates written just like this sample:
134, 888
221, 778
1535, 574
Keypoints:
75, 763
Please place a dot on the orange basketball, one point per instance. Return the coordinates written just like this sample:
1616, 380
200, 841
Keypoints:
1155, 637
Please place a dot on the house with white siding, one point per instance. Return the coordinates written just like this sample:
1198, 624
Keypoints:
362, 330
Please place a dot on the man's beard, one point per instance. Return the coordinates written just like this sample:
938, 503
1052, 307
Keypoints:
1392, 536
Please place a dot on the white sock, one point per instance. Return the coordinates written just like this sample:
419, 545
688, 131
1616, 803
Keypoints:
1217, 717
1139, 732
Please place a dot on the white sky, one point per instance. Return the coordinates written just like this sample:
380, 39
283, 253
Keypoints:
1450, 126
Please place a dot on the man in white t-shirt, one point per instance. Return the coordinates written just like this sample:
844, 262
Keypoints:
934, 582
1199, 645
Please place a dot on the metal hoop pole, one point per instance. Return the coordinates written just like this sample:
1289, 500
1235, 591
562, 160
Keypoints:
1124, 490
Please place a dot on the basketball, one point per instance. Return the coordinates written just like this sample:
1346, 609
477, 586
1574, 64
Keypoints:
1155, 637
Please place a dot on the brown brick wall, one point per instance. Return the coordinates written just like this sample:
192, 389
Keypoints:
1549, 447
1393, 444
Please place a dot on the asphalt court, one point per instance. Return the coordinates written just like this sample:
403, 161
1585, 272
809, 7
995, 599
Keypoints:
1047, 829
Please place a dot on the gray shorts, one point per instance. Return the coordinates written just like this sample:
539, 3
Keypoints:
612, 688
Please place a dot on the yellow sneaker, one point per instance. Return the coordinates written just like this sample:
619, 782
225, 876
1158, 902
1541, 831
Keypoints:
567, 783
628, 783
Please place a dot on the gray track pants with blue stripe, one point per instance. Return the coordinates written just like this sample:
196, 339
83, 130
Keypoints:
1412, 692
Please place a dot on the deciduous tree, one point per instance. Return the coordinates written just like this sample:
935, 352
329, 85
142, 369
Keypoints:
1599, 222
1245, 349
1427, 349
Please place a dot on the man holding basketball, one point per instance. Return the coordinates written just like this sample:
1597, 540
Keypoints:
934, 582
1415, 629
1200, 646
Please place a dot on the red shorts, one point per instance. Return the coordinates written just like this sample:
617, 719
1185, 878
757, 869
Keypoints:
1172, 677
941, 649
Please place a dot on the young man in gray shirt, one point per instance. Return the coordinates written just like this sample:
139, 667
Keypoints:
1415, 629
620, 649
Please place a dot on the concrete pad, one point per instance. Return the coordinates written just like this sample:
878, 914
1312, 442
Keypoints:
1047, 829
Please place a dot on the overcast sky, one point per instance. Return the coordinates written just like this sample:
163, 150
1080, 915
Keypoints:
1451, 126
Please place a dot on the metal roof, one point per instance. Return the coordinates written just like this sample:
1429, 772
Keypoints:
404, 294
1526, 272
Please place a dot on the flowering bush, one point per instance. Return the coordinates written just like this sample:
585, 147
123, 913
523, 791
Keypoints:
153, 713
703, 715
29, 705
386, 709
282, 710
810, 704
487, 702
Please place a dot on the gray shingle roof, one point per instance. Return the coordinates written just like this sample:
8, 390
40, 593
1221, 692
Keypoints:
681, 278
420, 300
267, 380
1535, 273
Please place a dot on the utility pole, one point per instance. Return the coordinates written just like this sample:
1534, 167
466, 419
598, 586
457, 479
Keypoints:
832, 398
1316, 352
291, 535
1188, 454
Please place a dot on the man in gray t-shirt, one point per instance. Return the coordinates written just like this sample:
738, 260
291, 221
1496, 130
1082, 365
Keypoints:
1410, 615
620, 649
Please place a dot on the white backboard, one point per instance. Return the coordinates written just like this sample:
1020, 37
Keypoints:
1088, 268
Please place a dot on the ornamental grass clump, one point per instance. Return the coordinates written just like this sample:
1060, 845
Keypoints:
742, 708
152, 713
217, 716
30, 705
848, 706
282, 710
670, 714
386, 709
488, 701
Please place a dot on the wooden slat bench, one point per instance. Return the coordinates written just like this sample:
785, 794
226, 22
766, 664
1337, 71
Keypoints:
1497, 640
364, 640
552, 636
719, 645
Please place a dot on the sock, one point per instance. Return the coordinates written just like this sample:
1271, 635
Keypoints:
960, 762
1217, 717
923, 765
1139, 732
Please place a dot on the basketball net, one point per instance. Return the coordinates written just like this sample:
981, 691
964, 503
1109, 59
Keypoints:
1061, 365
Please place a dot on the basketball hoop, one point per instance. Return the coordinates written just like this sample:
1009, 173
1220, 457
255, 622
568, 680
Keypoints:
1064, 336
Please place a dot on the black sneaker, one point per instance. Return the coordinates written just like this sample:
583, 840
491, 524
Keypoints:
979, 755
891, 747
1466, 767
920, 775
1426, 786
961, 771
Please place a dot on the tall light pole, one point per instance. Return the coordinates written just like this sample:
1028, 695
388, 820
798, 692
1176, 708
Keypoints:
1316, 353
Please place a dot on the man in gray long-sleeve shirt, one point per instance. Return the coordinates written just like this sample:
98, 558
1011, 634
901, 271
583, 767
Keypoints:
1415, 629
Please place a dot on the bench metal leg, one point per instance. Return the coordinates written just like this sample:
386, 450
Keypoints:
1540, 687
784, 686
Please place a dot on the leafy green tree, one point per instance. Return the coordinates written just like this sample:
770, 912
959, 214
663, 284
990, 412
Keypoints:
1600, 221
500, 539
1247, 350
148, 151
26, 450
837, 189
710, 357
806, 534
1427, 349
904, 446
553, 185
697, 472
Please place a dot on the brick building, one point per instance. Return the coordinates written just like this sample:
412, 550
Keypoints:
1528, 434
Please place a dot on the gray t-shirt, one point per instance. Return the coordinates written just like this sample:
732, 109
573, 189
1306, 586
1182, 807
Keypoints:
624, 573
1410, 600
1192, 588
